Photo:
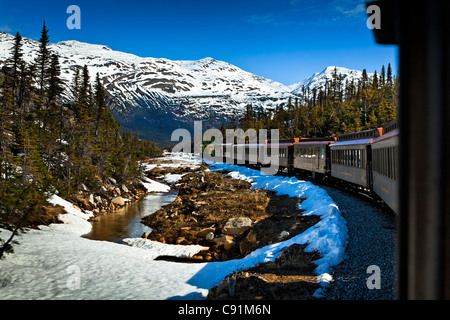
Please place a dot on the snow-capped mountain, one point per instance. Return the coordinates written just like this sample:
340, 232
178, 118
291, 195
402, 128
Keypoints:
157, 96
319, 79
160, 95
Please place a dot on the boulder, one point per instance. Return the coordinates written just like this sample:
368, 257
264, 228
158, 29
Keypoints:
180, 240
283, 235
125, 189
251, 237
91, 199
226, 241
210, 236
237, 226
204, 232
81, 201
118, 201
144, 235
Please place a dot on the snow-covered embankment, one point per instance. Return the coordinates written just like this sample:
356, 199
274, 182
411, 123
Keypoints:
55, 262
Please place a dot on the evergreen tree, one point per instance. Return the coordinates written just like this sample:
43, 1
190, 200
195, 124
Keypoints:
16, 60
43, 60
100, 102
389, 75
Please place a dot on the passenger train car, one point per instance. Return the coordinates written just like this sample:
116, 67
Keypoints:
366, 160
385, 166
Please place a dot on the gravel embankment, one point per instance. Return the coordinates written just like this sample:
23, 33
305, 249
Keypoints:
372, 240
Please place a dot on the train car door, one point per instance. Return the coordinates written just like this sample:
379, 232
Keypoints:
290, 156
318, 158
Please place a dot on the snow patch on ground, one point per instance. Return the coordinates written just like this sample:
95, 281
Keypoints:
157, 249
328, 236
154, 186
55, 262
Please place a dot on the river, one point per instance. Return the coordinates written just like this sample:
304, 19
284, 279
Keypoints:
126, 222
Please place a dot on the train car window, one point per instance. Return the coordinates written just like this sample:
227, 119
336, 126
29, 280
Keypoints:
352, 159
391, 175
363, 159
384, 161
360, 158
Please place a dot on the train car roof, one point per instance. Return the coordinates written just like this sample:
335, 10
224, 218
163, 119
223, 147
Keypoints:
313, 142
388, 135
352, 142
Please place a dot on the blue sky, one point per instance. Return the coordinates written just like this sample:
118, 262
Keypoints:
284, 40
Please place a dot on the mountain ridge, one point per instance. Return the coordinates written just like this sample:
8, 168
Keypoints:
158, 95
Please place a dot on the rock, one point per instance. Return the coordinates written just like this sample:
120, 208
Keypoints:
208, 257
91, 199
210, 236
112, 180
98, 199
144, 235
226, 241
204, 232
245, 247
283, 235
117, 191
125, 189
83, 187
118, 201
237, 226
180, 240
251, 237
186, 231
82, 201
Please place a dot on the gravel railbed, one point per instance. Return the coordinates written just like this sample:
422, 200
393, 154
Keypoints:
372, 240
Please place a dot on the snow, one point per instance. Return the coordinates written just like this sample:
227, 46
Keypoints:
154, 186
55, 262
328, 236
171, 178
318, 80
157, 249
192, 87
74, 221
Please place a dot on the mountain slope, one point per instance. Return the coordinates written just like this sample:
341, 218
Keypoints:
319, 79
160, 95
157, 96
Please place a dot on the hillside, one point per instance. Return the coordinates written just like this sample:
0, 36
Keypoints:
159, 95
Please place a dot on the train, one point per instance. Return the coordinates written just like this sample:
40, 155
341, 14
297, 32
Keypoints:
365, 161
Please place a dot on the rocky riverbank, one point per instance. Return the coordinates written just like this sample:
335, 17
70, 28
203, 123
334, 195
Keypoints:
231, 220
111, 197
225, 215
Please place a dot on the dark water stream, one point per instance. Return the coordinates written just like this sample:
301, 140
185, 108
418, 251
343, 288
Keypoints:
126, 223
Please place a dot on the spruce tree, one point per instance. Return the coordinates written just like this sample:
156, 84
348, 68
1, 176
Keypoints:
100, 102
43, 60
16, 60
55, 82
